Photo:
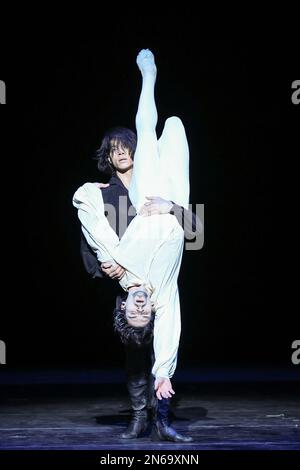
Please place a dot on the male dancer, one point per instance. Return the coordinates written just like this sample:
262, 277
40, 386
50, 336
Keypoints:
169, 238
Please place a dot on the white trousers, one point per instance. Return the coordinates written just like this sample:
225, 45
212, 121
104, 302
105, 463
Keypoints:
161, 167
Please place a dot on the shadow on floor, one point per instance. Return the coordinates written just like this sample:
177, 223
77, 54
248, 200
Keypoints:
183, 415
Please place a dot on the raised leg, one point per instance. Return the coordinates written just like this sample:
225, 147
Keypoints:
174, 162
146, 177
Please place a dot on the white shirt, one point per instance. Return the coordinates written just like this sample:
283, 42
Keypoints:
150, 251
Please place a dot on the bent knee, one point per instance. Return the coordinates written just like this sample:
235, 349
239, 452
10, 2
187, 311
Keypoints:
174, 121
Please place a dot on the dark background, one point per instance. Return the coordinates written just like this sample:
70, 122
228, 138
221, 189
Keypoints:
234, 98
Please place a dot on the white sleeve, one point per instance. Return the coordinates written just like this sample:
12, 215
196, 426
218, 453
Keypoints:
98, 233
167, 328
167, 324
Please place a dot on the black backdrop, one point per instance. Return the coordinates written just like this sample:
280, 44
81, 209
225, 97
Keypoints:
234, 98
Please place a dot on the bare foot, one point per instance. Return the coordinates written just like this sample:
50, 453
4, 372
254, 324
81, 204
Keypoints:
146, 63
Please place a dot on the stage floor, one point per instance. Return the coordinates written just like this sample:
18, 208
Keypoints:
85, 417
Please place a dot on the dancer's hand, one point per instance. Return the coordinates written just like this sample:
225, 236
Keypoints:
156, 205
163, 388
113, 270
101, 185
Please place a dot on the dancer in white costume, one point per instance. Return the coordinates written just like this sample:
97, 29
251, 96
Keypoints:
151, 248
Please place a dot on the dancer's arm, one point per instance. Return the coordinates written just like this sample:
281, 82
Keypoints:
167, 329
187, 219
95, 226
167, 325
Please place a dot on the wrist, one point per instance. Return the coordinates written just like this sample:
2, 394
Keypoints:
162, 373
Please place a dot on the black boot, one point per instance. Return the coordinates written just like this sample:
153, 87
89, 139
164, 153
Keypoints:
137, 425
164, 431
151, 399
137, 366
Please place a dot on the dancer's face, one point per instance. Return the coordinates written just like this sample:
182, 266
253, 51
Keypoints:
120, 157
138, 307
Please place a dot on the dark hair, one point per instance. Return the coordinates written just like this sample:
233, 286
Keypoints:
122, 136
130, 335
